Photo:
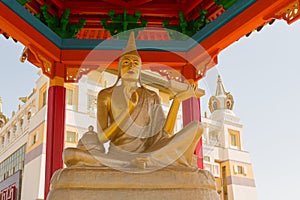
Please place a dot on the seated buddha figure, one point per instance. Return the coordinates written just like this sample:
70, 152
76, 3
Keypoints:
130, 117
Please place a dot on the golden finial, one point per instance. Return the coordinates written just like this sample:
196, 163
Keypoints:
219, 79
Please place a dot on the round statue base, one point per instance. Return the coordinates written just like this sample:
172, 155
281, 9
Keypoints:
105, 183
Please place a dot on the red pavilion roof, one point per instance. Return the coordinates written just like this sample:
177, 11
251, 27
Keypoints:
66, 58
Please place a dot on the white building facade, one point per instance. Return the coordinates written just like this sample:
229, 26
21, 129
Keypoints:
223, 149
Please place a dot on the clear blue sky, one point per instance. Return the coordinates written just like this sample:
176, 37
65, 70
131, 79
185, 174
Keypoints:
262, 74
16, 79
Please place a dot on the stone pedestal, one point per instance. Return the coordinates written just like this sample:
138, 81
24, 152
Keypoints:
108, 184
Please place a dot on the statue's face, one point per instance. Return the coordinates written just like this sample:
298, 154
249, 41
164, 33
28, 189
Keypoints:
130, 67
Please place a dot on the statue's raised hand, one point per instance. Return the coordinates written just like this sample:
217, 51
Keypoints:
190, 92
133, 100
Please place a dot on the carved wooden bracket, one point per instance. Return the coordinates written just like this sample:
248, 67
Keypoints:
290, 13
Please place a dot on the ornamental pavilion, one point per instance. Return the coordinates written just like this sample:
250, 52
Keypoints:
179, 39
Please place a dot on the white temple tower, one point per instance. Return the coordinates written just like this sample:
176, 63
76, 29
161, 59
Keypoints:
223, 148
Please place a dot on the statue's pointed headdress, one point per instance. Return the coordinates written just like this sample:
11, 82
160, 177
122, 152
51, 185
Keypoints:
131, 46
129, 50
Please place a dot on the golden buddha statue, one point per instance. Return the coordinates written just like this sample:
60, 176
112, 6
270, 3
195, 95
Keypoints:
130, 117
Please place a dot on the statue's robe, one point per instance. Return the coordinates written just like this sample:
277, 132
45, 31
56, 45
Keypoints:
142, 135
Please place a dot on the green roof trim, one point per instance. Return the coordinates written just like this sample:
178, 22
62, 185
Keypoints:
123, 22
23, 2
61, 26
225, 3
87, 44
188, 28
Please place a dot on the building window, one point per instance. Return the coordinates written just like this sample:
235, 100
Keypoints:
44, 98
91, 104
213, 138
71, 137
233, 141
228, 105
8, 136
69, 97
13, 163
238, 169
215, 105
22, 121
216, 170
34, 138
207, 158
14, 128
28, 115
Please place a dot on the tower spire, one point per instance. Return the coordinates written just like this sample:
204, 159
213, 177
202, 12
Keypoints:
220, 91
222, 100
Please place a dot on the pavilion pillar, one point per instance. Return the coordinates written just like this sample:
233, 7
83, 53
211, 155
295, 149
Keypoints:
55, 129
191, 112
